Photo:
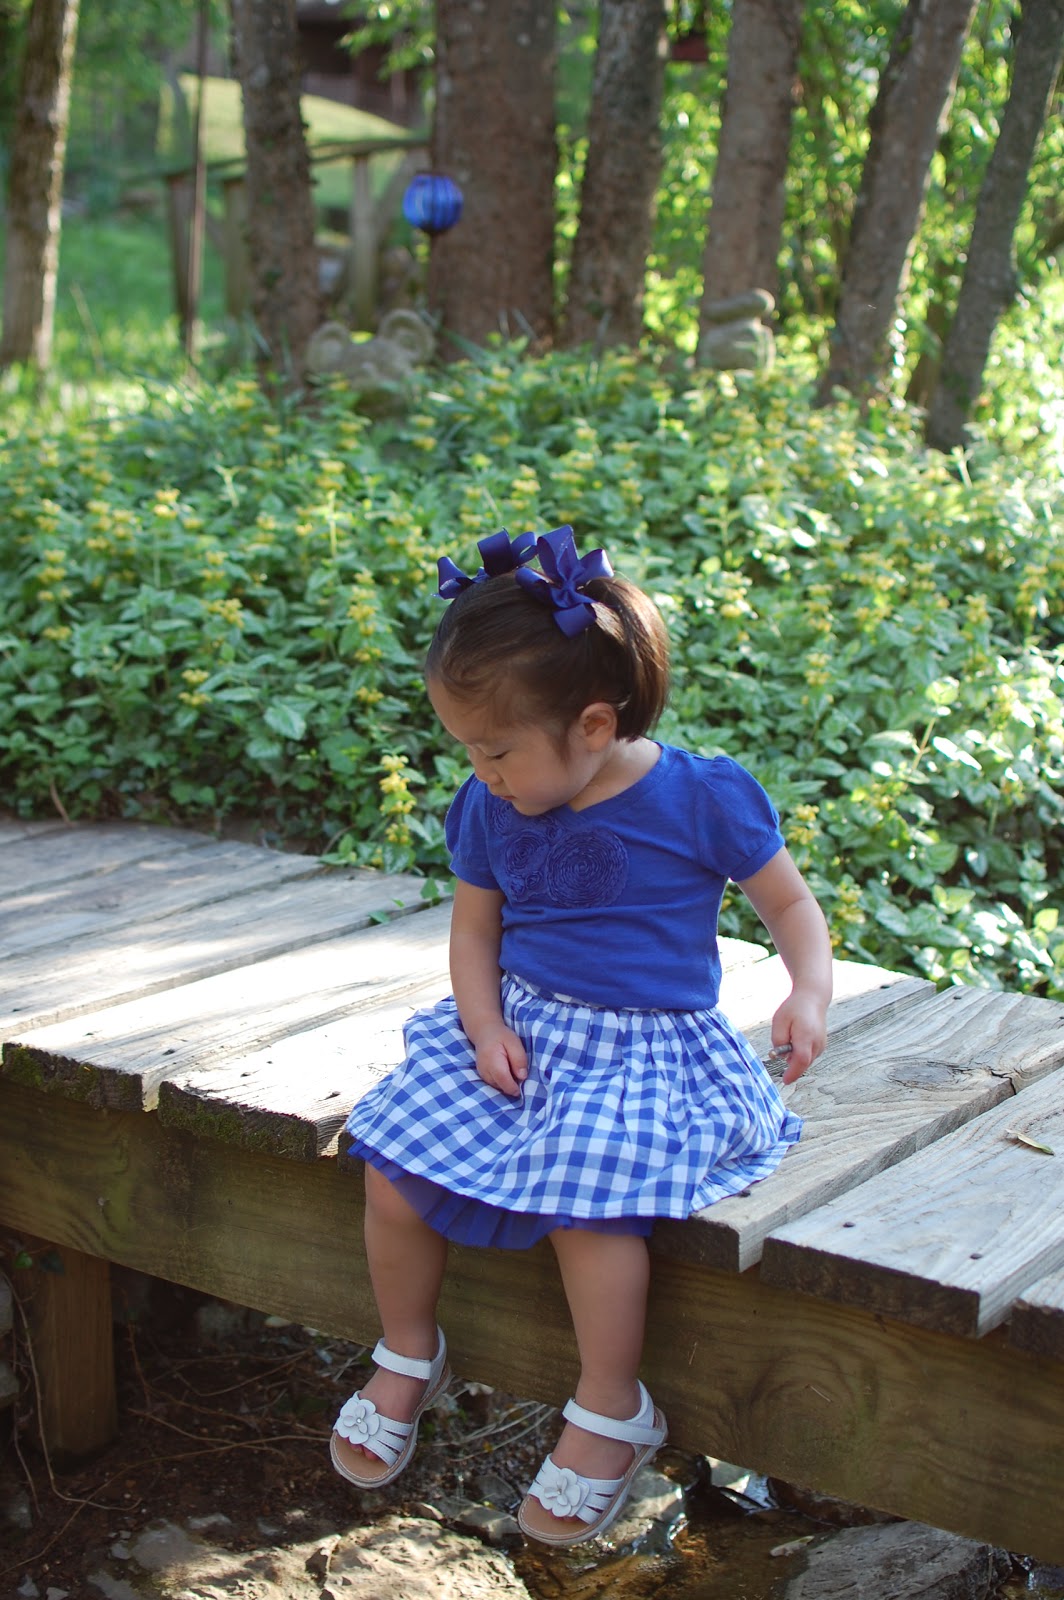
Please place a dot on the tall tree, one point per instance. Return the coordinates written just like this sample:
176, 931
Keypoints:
285, 298
915, 91
35, 183
746, 215
494, 134
605, 298
990, 281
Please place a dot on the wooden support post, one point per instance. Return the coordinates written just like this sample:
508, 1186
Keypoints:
235, 248
68, 1319
362, 275
8, 1381
180, 198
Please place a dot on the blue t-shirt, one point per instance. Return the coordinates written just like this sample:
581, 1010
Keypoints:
617, 904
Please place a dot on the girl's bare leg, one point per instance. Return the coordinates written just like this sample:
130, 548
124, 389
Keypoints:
406, 1260
605, 1277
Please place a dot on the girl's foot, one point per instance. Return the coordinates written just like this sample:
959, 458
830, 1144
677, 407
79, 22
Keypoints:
376, 1431
393, 1396
588, 1465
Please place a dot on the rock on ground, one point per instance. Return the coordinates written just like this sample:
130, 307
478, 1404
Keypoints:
899, 1561
398, 1558
410, 1558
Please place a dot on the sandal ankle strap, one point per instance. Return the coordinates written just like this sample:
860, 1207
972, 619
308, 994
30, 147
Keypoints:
412, 1366
639, 1429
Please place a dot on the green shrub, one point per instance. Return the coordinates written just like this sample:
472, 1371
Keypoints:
216, 606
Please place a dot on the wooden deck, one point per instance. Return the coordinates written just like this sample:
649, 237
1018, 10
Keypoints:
186, 1024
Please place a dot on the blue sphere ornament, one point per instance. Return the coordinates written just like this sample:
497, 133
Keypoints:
432, 202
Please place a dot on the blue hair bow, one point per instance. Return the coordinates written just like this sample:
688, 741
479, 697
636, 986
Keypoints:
499, 554
566, 573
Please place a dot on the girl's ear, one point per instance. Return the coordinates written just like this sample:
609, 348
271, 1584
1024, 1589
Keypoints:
597, 725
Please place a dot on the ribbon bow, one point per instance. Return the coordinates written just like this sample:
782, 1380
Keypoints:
499, 554
566, 573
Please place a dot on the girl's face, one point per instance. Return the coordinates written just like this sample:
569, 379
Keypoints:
522, 762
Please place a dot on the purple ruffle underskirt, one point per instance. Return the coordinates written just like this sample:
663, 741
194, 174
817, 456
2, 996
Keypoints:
466, 1221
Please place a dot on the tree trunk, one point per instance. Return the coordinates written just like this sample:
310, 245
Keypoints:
746, 216
989, 283
285, 298
35, 183
494, 135
915, 91
605, 299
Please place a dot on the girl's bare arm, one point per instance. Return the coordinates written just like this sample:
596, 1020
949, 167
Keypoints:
476, 937
785, 904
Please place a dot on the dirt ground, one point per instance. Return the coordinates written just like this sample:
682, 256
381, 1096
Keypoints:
224, 1417
224, 1413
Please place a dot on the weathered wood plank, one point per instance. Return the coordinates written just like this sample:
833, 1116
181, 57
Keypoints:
145, 890
293, 1097
14, 830
862, 996
873, 1410
1036, 1322
948, 1239
902, 1079
119, 1056
80, 851
145, 958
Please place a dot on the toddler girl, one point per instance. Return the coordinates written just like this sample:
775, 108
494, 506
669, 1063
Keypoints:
580, 1081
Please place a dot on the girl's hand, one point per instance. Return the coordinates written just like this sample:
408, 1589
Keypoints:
502, 1061
801, 1023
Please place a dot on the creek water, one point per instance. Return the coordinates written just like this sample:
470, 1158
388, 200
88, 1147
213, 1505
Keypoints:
719, 1543
728, 1543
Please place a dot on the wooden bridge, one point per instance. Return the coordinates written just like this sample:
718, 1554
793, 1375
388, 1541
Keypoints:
186, 1024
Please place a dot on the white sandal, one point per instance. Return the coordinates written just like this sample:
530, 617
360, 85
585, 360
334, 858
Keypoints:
393, 1442
595, 1501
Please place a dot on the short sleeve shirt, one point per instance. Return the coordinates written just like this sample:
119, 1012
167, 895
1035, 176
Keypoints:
616, 905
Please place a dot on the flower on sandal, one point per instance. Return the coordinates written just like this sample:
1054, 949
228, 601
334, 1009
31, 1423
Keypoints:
561, 1490
358, 1421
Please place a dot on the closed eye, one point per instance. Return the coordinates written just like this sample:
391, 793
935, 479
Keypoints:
472, 755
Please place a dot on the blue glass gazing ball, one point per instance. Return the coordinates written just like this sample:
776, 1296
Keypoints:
432, 202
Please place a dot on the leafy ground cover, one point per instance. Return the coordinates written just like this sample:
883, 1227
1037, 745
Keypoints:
218, 606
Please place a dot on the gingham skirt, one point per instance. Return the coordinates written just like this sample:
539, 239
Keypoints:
624, 1116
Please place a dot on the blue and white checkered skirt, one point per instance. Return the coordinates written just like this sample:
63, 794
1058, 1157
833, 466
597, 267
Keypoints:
624, 1116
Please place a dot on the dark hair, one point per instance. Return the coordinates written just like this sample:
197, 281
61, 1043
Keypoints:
498, 644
